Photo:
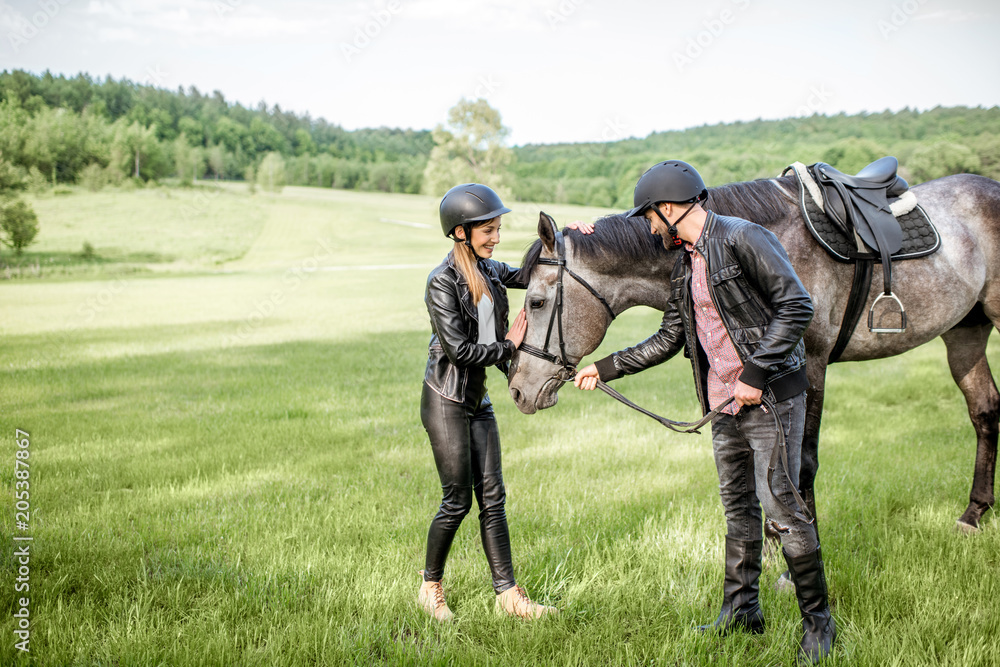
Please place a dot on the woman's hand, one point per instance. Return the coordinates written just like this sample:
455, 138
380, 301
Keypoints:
587, 378
582, 227
517, 330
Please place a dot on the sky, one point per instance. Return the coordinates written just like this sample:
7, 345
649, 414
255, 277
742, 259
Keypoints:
557, 70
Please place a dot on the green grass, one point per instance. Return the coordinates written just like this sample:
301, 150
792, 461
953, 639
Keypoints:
228, 467
139, 231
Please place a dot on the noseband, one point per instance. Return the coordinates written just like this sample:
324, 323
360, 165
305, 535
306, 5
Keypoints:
566, 369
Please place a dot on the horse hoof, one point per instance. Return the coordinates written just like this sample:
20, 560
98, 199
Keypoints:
966, 528
784, 583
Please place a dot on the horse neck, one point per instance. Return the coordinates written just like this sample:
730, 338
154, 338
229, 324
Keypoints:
626, 283
629, 284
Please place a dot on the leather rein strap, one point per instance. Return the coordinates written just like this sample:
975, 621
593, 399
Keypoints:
679, 427
778, 452
567, 372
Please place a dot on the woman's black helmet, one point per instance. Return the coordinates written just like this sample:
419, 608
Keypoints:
468, 204
670, 181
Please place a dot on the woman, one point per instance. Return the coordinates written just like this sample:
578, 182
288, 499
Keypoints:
467, 301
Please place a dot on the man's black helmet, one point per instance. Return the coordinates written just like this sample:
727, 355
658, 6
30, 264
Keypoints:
468, 204
670, 181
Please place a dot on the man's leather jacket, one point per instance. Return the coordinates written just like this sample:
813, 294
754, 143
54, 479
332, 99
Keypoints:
761, 301
454, 346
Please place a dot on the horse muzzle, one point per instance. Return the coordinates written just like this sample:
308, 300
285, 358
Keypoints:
546, 397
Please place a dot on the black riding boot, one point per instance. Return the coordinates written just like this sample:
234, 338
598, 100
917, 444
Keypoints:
817, 621
740, 605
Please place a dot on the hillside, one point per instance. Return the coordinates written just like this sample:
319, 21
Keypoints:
100, 132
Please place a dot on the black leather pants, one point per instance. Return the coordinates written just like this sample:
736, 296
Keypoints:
466, 444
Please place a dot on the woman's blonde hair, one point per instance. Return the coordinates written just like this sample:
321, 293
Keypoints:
465, 260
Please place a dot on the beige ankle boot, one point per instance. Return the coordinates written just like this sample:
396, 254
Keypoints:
431, 599
515, 602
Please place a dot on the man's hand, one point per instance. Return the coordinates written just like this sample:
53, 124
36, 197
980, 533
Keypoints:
746, 395
587, 378
517, 330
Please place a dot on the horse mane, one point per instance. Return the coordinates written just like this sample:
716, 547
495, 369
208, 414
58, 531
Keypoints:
764, 201
625, 240
628, 241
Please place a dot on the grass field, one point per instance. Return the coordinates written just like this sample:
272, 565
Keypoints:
227, 465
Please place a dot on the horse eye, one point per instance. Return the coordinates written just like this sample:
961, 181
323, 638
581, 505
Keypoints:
537, 303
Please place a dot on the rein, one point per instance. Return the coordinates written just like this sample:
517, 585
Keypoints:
679, 427
780, 448
567, 372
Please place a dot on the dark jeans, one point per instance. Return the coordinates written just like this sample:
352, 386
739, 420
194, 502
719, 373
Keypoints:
742, 444
466, 444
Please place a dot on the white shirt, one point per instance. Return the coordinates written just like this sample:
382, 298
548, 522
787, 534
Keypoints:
487, 322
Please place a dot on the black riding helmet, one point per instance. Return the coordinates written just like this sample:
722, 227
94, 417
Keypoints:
670, 181
467, 204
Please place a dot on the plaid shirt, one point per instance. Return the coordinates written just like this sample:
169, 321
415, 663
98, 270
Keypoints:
724, 363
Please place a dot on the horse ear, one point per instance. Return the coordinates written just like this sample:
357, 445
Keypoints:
547, 230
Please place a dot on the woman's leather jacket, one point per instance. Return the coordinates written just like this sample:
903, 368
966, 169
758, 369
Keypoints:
454, 346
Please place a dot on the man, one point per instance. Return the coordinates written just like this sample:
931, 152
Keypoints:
739, 312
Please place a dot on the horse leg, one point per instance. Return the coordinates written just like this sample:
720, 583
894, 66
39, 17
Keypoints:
971, 372
810, 438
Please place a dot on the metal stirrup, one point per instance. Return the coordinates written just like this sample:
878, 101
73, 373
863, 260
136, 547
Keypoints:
902, 315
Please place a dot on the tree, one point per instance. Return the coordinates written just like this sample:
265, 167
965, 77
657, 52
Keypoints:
188, 160
250, 178
470, 150
265, 136
217, 160
850, 155
12, 178
94, 177
271, 173
303, 143
192, 130
348, 174
943, 158
232, 134
988, 149
132, 146
55, 143
325, 165
18, 223
14, 121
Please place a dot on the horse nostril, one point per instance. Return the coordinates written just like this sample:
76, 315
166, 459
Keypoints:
515, 394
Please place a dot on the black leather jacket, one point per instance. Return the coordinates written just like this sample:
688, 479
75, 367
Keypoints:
454, 346
761, 300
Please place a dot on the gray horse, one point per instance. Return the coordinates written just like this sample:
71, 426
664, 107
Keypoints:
953, 293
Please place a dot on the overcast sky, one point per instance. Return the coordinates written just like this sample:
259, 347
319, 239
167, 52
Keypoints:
557, 70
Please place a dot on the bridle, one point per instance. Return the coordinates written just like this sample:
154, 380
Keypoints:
567, 372
566, 369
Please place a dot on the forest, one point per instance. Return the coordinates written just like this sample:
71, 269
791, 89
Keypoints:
98, 132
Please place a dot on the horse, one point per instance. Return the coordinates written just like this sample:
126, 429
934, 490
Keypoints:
953, 293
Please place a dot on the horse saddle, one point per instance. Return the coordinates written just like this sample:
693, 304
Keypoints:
868, 217
860, 203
